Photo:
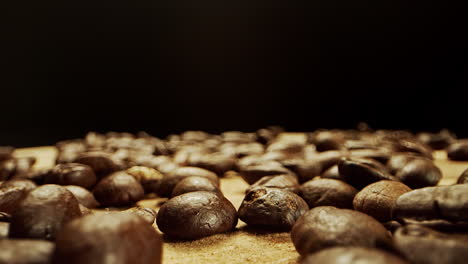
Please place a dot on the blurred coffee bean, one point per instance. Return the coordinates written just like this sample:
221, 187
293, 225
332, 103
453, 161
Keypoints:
5, 217
379, 155
266, 135
27, 185
272, 208
108, 238
118, 189
326, 226
10, 197
440, 202
253, 172
69, 150
379, 198
149, 178
352, 255
217, 162
7, 169
196, 214
24, 165
458, 150
43, 212
392, 226
6, 152
463, 177
360, 173
412, 145
101, 162
332, 173
286, 182
238, 137
37, 176
422, 245
147, 214
328, 192
304, 169
399, 160
439, 225
71, 174
437, 141
327, 140
25, 251
194, 184
84, 197
419, 173
169, 181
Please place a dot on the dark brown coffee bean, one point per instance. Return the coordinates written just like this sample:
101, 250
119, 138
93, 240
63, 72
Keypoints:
352, 255
399, 160
439, 202
10, 197
194, 184
440, 225
327, 159
147, 214
272, 208
379, 155
286, 182
238, 137
108, 238
328, 226
196, 214
254, 172
169, 181
328, 192
102, 163
7, 169
218, 163
118, 189
43, 212
458, 151
392, 226
420, 173
360, 173
27, 185
5, 217
422, 245
326, 140
266, 135
71, 174
332, 173
412, 145
463, 177
304, 169
149, 178
6, 152
84, 197
379, 198
437, 140
24, 251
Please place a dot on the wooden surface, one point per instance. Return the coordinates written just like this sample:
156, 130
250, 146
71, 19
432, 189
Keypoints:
242, 245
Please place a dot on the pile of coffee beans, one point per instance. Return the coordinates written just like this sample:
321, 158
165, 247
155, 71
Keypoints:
346, 196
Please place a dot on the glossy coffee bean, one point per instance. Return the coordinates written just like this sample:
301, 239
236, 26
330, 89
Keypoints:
43, 212
10, 197
272, 208
218, 163
27, 185
106, 239
437, 140
147, 214
399, 160
193, 184
118, 189
422, 245
25, 251
458, 151
149, 178
440, 225
439, 202
84, 197
24, 165
420, 173
254, 172
326, 226
463, 177
285, 182
331, 192
326, 140
169, 181
71, 174
379, 198
304, 169
352, 255
102, 163
360, 173
379, 155
196, 214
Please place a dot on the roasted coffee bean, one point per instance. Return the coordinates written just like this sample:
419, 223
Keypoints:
422, 245
24, 165
37, 176
327, 140
196, 214
147, 214
440, 225
332, 173
194, 184
4, 227
21, 183
304, 169
399, 160
392, 226
118, 189
106, 239
218, 163
378, 199
272, 208
420, 173
439, 202
149, 178
463, 177
84, 197
360, 173
286, 182
458, 151
379, 155
331, 192
10, 197
169, 181
352, 255
327, 159
25, 251
43, 212
254, 172
266, 135
6, 152
5, 217
437, 140
7, 169
71, 174
328, 226
102, 163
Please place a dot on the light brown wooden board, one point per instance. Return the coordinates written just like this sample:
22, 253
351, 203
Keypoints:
241, 245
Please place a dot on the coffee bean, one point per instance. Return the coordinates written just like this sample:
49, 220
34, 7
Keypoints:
43, 212
71, 174
108, 238
169, 181
266, 135
7, 169
360, 173
238, 137
24, 165
84, 197
272, 208
378, 199
147, 214
352, 255
440, 202
10, 197
254, 172
412, 145
392, 226
327, 226
463, 177
6, 152
5, 217
399, 160
326, 140
118, 189
27, 185
440, 225
420, 173
102, 163
286, 182
304, 169
218, 163
37, 176
149, 178
4, 227
196, 214
332, 173
193, 184
323, 192
379, 155
437, 140
458, 151
423, 245
25, 251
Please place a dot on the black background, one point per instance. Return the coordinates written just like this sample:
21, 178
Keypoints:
73, 66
